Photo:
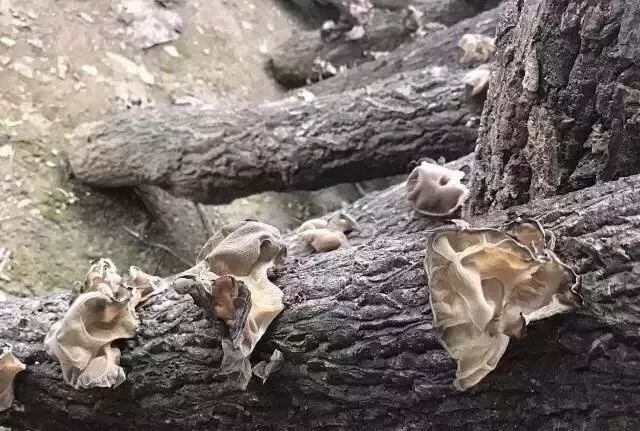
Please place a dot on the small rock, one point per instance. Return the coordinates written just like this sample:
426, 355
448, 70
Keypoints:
88, 18
6, 151
206, 51
50, 164
185, 101
37, 43
245, 25
8, 42
145, 75
148, 23
62, 67
89, 70
43, 77
262, 48
124, 64
4, 60
23, 203
171, 50
22, 69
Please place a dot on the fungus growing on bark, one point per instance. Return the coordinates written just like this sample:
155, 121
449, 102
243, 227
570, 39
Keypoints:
102, 313
9, 367
435, 190
476, 48
327, 235
477, 81
230, 282
486, 285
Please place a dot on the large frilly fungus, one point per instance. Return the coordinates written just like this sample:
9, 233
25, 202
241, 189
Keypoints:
486, 285
9, 367
102, 313
230, 282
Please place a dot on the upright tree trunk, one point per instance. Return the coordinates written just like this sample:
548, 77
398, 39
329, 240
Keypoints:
563, 109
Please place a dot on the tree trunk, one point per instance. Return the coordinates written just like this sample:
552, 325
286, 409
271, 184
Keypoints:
359, 345
294, 64
214, 155
437, 49
563, 107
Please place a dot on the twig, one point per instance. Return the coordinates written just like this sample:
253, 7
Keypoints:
163, 247
5, 255
206, 223
360, 189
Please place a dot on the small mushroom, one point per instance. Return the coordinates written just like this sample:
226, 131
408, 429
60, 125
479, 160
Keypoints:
102, 313
435, 190
230, 282
477, 81
476, 48
486, 286
9, 367
328, 235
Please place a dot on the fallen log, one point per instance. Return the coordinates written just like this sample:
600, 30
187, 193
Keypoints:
436, 49
214, 155
306, 58
562, 110
360, 351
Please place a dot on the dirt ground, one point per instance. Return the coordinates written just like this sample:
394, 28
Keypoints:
65, 63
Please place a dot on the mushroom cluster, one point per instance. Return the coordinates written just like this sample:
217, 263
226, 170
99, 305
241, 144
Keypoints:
435, 190
230, 282
486, 285
327, 235
10, 366
102, 313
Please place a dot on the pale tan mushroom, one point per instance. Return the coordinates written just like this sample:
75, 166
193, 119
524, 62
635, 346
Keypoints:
476, 48
10, 366
485, 286
435, 190
102, 313
327, 235
477, 81
235, 259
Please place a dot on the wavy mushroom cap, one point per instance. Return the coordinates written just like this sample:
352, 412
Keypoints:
230, 280
324, 240
477, 80
485, 286
435, 190
105, 312
10, 366
239, 248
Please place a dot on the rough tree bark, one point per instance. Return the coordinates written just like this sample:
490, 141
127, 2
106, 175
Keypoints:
437, 49
359, 345
293, 64
563, 108
214, 155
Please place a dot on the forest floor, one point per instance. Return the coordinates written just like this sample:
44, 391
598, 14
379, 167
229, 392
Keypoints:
66, 63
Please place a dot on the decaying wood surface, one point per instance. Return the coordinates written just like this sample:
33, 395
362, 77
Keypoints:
437, 49
295, 63
359, 345
214, 154
563, 110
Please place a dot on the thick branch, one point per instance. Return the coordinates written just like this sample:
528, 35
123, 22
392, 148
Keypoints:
359, 346
437, 49
295, 63
562, 110
214, 155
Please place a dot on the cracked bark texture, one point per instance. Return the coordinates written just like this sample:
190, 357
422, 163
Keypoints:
292, 64
359, 347
436, 49
563, 108
215, 154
